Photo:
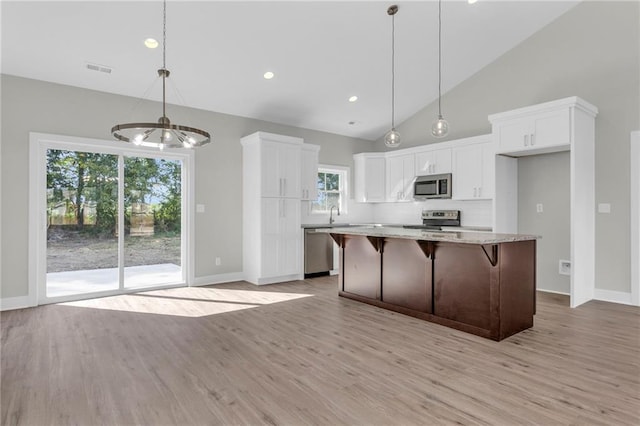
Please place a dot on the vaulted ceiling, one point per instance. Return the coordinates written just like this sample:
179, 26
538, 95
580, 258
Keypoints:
322, 52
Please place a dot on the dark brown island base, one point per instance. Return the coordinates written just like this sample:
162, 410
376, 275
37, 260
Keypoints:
480, 283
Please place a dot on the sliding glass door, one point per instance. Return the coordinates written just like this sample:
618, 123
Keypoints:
153, 221
115, 220
82, 215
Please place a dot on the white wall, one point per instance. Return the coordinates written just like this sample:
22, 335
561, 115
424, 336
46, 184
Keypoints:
36, 106
592, 51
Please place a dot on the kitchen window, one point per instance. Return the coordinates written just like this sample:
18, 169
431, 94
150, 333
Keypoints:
332, 184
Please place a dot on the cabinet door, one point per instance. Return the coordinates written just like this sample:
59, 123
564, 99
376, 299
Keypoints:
290, 170
513, 135
290, 234
433, 162
270, 165
551, 129
467, 172
280, 237
309, 175
270, 246
280, 165
408, 176
374, 175
400, 177
488, 181
395, 178
462, 281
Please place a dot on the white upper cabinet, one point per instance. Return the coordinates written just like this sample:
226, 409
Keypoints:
473, 171
433, 162
280, 169
309, 172
370, 177
539, 129
400, 177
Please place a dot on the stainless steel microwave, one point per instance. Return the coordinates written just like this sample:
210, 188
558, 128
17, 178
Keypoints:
432, 186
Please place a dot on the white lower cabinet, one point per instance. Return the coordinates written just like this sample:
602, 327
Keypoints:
473, 171
280, 237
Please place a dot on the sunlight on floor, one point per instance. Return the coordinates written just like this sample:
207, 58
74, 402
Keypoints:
96, 280
188, 301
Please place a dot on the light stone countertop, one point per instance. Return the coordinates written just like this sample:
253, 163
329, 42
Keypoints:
427, 235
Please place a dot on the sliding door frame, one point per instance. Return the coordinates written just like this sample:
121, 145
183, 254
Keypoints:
39, 143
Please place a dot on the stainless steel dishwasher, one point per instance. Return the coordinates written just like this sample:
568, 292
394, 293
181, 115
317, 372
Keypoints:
318, 253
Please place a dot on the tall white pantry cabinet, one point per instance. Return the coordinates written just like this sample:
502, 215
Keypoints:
272, 188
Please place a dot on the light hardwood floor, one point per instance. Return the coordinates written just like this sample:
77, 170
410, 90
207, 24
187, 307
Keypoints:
296, 353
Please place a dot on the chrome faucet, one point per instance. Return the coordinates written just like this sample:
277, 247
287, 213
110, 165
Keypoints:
331, 219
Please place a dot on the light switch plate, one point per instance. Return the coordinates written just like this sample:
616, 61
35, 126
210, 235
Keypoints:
199, 208
539, 208
604, 208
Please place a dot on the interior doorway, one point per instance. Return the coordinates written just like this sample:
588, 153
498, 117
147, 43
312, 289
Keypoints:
107, 218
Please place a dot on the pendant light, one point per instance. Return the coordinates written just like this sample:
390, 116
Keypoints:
162, 134
392, 138
440, 127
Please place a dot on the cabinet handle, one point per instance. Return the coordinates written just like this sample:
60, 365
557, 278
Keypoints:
479, 191
284, 186
526, 140
533, 141
280, 186
475, 192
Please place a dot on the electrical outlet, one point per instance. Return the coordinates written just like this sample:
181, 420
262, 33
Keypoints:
604, 208
539, 208
564, 267
218, 261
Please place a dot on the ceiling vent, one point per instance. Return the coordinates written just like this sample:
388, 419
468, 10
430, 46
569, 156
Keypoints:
100, 68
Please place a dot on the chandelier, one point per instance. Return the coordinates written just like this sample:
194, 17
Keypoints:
162, 134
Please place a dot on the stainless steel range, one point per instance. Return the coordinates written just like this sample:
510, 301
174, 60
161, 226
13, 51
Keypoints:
437, 219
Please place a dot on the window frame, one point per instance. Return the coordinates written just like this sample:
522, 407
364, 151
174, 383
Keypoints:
343, 172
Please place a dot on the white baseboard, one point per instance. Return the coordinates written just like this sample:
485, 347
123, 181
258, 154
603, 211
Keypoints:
218, 279
612, 296
552, 291
9, 303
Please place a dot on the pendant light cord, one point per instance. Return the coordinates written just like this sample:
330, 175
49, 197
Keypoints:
393, 70
164, 56
439, 58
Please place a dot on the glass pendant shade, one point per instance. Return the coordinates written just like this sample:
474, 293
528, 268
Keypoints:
392, 138
440, 127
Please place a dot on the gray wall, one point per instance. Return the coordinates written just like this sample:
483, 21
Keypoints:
551, 189
592, 51
36, 106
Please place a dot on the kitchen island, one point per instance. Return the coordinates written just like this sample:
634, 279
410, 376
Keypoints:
477, 282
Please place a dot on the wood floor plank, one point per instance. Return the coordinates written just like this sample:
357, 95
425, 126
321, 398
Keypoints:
297, 354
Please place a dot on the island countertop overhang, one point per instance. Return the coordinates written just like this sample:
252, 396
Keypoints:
464, 237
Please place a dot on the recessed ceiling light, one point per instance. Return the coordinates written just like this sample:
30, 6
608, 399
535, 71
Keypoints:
471, 1
268, 75
151, 43
353, 98
351, 123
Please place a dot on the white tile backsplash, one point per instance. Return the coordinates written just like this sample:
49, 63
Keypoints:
473, 213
